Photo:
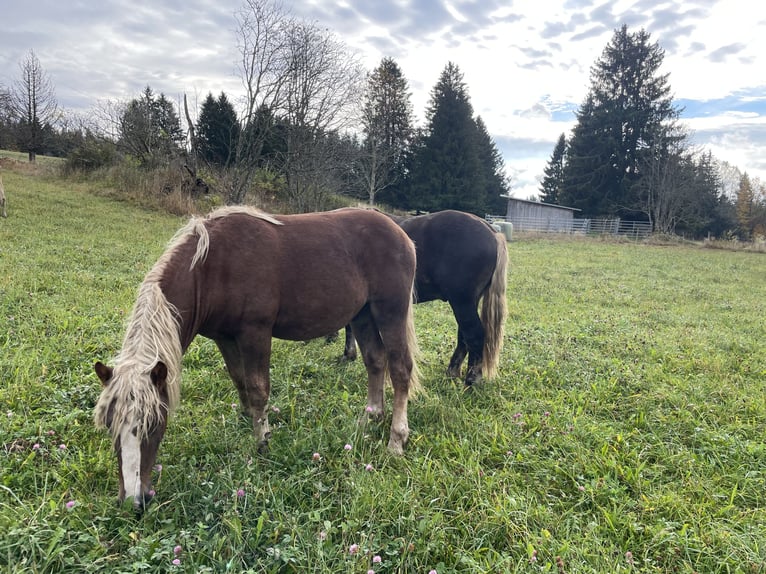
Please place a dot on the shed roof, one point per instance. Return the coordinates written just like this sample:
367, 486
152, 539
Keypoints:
553, 205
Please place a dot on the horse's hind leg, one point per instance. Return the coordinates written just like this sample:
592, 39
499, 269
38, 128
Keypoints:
458, 356
470, 338
349, 349
374, 357
248, 366
393, 326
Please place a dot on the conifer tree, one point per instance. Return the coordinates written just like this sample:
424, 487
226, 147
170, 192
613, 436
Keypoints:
553, 180
445, 163
492, 168
626, 112
217, 130
150, 129
387, 127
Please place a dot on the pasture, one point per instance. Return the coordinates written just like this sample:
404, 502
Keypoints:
624, 431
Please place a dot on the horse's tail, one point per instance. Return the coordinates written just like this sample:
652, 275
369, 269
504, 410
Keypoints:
413, 349
493, 310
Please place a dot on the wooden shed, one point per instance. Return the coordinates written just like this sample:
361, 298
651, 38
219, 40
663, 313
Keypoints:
529, 215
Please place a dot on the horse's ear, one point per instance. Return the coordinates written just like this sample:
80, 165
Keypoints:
104, 373
159, 375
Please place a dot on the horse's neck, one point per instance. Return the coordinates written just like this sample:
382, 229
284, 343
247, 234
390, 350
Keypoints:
180, 295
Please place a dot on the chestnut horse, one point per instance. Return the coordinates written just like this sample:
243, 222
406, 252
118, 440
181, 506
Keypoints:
461, 260
241, 277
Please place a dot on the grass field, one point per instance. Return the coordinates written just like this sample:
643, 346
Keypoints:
624, 433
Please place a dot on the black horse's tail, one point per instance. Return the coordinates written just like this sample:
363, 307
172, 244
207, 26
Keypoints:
493, 310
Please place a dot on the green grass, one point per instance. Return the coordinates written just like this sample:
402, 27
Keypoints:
625, 432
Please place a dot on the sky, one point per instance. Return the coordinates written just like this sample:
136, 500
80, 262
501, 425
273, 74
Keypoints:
526, 63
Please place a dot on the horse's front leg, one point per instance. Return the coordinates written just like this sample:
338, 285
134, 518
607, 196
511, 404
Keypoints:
247, 361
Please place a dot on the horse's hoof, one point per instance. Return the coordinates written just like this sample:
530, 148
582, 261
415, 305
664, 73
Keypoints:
374, 416
395, 449
263, 445
453, 373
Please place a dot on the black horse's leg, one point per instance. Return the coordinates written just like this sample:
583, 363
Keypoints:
456, 362
470, 337
349, 351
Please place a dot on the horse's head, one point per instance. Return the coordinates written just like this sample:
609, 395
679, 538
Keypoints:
134, 407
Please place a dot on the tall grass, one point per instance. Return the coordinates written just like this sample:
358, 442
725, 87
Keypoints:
624, 432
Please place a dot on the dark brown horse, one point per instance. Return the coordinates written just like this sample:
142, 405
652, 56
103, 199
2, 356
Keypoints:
461, 259
241, 277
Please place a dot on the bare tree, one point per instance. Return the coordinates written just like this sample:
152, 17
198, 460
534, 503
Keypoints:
33, 103
322, 95
262, 41
669, 188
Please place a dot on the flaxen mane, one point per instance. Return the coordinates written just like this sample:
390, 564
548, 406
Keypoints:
152, 335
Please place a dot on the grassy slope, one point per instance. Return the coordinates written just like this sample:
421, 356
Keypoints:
624, 433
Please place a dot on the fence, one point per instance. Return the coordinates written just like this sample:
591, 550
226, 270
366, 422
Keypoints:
633, 229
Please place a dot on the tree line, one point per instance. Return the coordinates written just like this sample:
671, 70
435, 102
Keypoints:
629, 156
312, 126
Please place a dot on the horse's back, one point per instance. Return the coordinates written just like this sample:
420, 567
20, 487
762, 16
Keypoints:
307, 275
456, 252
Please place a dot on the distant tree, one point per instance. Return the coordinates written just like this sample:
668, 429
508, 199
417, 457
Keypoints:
553, 178
150, 129
7, 125
322, 92
746, 206
445, 162
708, 210
217, 131
263, 44
492, 167
32, 102
627, 111
387, 127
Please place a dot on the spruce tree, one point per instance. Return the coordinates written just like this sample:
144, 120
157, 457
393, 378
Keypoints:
492, 168
150, 129
553, 180
627, 110
387, 127
217, 130
445, 164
